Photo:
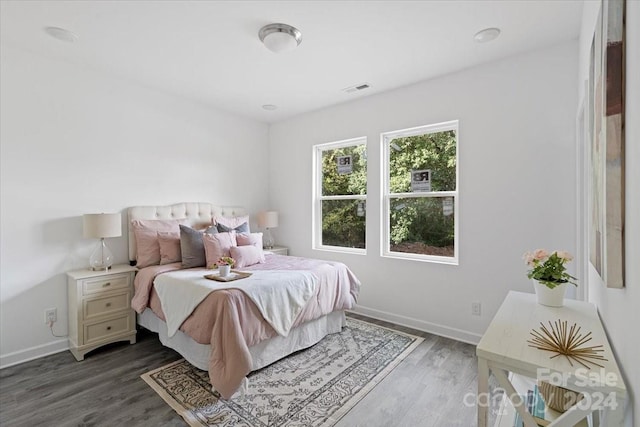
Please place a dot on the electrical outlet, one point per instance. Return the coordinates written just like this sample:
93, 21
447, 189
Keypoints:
50, 315
476, 308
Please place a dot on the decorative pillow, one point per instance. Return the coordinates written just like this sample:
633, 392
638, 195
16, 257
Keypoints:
253, 239
246, 255
191, 246
240, 224
212, 229
169, 247
218, 245
147, 245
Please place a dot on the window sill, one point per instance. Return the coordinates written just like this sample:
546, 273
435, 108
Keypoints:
421, 258
338, 249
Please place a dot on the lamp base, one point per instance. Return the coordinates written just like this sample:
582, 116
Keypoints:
101, 259
267, 239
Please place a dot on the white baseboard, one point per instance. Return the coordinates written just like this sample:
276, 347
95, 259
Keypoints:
32, 353
421, 325
39, 351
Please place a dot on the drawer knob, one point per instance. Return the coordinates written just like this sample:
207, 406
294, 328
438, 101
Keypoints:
108, 304
106, 284
108, 328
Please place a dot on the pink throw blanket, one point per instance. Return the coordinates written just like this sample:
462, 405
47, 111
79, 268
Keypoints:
230, 321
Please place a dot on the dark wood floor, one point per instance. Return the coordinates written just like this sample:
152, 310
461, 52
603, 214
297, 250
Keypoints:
426, 389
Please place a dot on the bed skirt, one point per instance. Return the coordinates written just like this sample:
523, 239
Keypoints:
262, 354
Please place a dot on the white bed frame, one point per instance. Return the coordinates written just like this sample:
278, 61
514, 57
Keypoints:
200, 215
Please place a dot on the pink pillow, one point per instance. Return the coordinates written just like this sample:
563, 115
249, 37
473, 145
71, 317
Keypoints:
147, 245
253, 239
218, 245
169, 247
246, 255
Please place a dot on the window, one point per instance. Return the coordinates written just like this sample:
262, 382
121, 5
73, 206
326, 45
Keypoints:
420, 193
340, 195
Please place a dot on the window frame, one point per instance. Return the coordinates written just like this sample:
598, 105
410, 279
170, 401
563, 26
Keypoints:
386, 196
318, 198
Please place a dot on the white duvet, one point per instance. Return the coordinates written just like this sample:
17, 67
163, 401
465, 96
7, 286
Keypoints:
279, 295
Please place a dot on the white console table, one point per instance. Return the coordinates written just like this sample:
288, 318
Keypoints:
504, 348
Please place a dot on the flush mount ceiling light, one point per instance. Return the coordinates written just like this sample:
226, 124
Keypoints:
487, 35
280, 37
61, 34
269, 107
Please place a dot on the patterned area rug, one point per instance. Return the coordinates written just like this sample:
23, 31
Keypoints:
313, 387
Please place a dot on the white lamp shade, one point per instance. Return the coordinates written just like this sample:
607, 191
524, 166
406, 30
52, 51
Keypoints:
268, 219
102, 225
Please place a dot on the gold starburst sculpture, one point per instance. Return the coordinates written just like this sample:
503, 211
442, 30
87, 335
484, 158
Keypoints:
567, 342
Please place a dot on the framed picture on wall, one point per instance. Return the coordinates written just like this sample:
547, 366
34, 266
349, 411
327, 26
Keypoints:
606, 162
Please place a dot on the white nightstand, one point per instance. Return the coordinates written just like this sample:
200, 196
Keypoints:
100, 308
279, 250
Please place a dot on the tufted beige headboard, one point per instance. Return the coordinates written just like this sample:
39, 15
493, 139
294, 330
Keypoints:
198, 215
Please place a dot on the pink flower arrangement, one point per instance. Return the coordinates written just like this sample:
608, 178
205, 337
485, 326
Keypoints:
226, 260
549, 268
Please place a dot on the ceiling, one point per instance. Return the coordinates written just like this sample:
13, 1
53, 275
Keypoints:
209, 50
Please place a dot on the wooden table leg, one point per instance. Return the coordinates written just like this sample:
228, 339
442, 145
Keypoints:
483, 397
614, 417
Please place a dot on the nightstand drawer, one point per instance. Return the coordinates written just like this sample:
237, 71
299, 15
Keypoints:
105, 284
106, 305
101, 330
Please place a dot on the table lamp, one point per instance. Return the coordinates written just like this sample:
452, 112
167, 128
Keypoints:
268, 220
100, 226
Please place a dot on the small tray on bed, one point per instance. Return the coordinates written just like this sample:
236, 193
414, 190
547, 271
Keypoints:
233, 275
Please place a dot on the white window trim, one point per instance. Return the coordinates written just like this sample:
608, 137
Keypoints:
385, 226
316, 212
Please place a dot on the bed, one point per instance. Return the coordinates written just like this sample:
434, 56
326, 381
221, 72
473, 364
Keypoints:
288, 303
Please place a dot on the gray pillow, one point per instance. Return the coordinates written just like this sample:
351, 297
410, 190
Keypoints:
211, 230
192, 247
242, 228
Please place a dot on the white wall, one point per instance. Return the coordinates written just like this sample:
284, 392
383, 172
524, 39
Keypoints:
517, 179
74, 142
619, 308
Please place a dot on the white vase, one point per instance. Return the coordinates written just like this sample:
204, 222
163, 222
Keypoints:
550, 297
224, 270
